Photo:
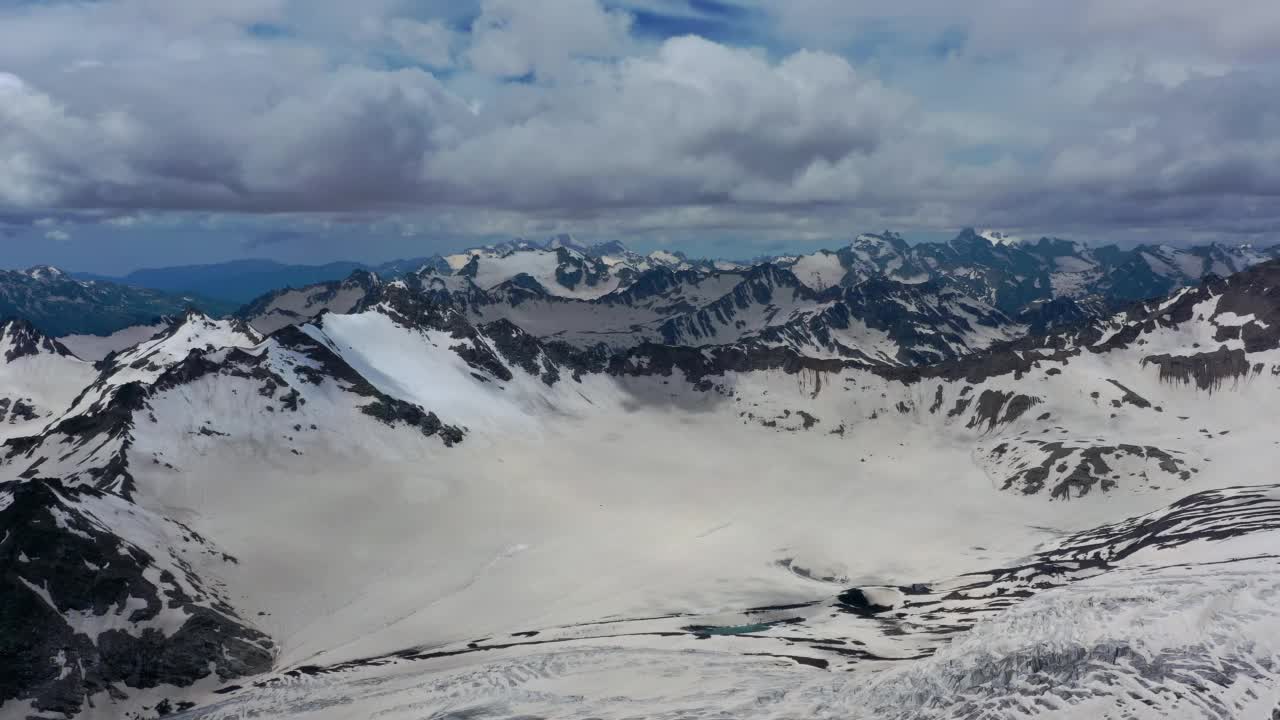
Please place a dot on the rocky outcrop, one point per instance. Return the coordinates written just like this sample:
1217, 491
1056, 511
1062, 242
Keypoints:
1207, 371
1000, 408
19, 338
289, 306
84, 610
738, 313
521, 349
1073, 469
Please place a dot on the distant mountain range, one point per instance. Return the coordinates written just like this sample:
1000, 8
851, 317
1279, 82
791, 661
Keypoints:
239, 281
984, 286
59, 304
878, 300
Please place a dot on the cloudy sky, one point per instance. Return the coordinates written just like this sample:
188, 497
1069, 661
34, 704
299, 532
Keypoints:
152, 132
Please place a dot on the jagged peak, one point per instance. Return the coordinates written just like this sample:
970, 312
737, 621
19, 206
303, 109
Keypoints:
18, 324
45, 273
367, 278
565, 240
888, 237
998, 237
668, 256
771, 272
1045, 241
523, 282
197, 330
19, 338
610, 247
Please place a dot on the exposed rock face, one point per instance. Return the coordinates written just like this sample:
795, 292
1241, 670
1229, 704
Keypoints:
884, 322
1246, 309
661, 284
522, 349
328, 365
85, 610
575, 269
19, 338
1208, 371
290, 307
556, 269
1130, 397
698, 364
754, 303
414, 310
1073, 469
991, 403
1049, 315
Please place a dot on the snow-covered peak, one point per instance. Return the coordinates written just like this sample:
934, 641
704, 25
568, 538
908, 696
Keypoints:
996, 237
45, 273
565, 240
871, 247
670, 259
562, 272
19, 338
820, 270
611, 247
868, 240
516, 245
196, 331
616, 255
39, 378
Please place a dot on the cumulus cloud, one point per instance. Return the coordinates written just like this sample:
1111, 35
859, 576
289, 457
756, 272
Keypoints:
48, 154
513, 38
432, 42
510, 114
696, 122
1230, 29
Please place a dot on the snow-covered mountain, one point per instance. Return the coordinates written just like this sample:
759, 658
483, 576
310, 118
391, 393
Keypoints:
709, 493
39, 377
1039, 283
882, 321
978, 288
560, 271
291, 306
1013, 274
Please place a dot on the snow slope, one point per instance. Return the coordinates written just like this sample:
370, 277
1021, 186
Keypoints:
1114, 642
96, 347
561, 272
294, 306
39, 378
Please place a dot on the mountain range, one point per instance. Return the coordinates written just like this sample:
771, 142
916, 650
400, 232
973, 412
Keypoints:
620, 297
984, 478
59, 304
868, 300
239, 281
